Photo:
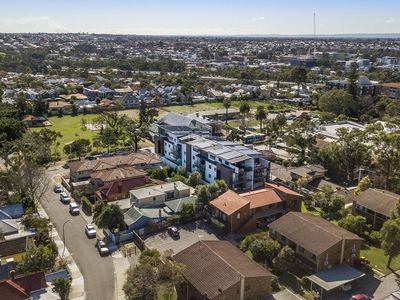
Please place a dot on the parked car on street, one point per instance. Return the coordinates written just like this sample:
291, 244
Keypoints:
57, 188
64, 198
102, 247
90, 230
173, 231
73, 208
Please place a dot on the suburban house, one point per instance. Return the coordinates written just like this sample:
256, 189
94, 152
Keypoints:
23, 287
83, 169
219, 270
156, 195
390, 89
317, 243
141, 219
247, 211
375, 205
17, 238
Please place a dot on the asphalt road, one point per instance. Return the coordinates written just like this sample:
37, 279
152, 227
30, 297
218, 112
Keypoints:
97, 271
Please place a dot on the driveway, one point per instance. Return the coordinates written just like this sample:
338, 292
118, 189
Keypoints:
97, 271
189, 234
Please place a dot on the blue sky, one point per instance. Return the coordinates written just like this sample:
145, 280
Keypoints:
201, 17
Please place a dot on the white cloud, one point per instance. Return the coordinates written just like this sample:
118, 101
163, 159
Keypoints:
390, 20
32, 24
258, 18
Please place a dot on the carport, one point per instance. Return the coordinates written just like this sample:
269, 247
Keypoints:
334, 278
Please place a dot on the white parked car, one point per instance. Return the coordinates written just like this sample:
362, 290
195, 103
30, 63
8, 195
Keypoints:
65, 198
90, 230
73, 208
102, 247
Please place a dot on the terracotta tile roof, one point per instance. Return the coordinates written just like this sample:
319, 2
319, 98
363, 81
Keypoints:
311, 232
117, 174
229, 202
214, 266
262, 197
132, 159
21, 287
283, 189
380, 201
392, 85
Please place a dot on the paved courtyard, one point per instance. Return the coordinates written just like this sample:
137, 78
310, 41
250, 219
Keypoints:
189, 235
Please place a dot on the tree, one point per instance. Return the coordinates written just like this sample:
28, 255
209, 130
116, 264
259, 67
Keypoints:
222, 186
329, 201
111, 218
40, 107
391, 239
244, 110
386, 149
187, 213
264, 250
234, 135
78, 148
153, 272
284, 260
108, 137
348, 153
136, 133
338, 102
62, 287
38, 258
227, 105
98, 208
352, 83
299, 75
300, 137
160, 174
194, 179
203, 195
261, 115
354, 224
363, 185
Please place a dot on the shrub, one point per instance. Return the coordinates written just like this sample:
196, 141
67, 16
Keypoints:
375, 238
246, 242
275, 286
86, 206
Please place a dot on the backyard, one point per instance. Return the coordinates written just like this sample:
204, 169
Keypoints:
378, 259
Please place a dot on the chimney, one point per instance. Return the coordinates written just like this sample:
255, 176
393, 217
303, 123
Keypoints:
342, 251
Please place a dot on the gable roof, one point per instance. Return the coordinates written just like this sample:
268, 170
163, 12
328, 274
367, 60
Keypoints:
229, 202
380, 201
262, 197
311, 232
282, 189
214, 266
132, 159
21, 287
117, 174
177, 204
8, 226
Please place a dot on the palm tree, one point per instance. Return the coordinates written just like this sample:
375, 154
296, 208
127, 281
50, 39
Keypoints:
227, 104
261, 115
244, 110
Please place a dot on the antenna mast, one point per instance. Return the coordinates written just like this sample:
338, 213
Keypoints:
315, 34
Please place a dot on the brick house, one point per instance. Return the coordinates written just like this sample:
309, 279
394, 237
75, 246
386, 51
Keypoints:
375, 205
247, 211
318, 244
219, 270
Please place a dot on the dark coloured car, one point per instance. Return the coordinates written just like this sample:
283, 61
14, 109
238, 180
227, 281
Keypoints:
173, 231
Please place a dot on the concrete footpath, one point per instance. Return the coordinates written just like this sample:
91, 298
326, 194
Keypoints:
77, 291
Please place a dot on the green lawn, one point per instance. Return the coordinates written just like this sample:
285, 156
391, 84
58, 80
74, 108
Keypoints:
316, 211
193, 108
378, 259
71, 128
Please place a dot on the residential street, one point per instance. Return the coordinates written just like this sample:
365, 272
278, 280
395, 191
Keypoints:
98, 272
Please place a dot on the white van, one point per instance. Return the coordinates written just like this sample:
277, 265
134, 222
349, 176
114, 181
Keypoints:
73, 208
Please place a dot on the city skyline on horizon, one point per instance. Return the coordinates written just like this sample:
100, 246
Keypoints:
207, 18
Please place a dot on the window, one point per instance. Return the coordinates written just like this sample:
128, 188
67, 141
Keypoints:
154, 198
247, 288
209, 175
238, 216
209, 166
